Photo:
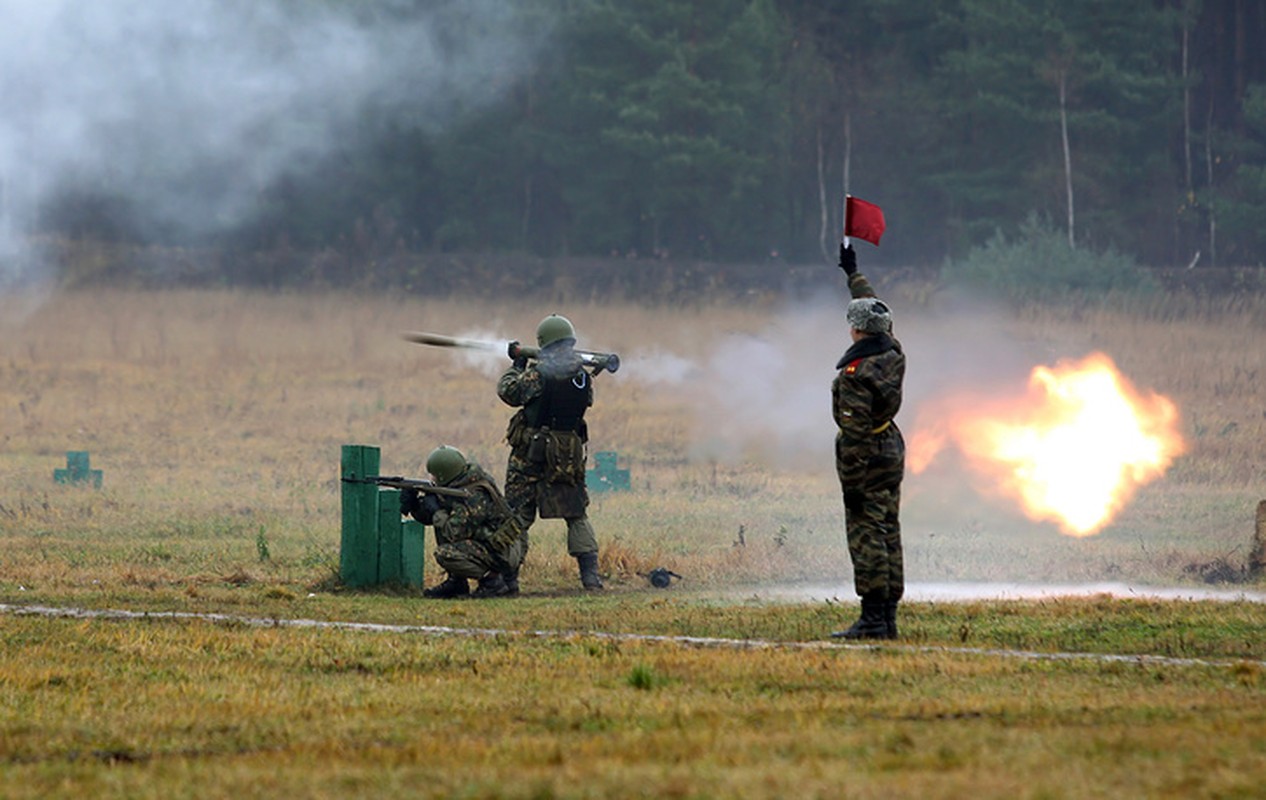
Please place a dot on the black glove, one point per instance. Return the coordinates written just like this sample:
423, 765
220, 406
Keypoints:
515, 351
848, 259
428, 507
854, 499
408, 502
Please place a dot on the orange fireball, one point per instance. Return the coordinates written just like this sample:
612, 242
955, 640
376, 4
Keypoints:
1073, 449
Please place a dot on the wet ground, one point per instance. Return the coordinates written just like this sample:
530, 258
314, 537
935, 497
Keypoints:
962, 592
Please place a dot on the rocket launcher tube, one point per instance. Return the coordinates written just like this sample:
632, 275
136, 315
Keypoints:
595, 361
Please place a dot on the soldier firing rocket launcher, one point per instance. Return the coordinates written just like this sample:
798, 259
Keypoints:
596, 362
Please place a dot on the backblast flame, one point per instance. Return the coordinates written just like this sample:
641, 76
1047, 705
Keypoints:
1073, 449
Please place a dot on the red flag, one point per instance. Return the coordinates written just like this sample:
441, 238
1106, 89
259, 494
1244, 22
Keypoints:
863, 220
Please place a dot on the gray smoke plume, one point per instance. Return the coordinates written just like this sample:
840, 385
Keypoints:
764, 394
187, 109
768, 393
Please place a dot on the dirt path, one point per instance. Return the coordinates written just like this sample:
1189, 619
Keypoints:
688, 641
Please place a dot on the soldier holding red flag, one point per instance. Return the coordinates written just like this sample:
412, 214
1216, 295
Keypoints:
870, 451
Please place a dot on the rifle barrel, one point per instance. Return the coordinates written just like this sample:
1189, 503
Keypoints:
397, 482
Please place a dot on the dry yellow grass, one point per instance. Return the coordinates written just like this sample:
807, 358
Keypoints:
163, 709
217, 418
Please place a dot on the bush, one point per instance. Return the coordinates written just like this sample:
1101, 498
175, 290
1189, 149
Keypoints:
1040, 265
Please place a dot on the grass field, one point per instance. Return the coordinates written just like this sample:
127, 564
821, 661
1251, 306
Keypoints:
190, 709
217, 419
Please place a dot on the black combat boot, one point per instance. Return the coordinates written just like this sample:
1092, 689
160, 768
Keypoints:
491, 585
872, 624
511, 577
451, 587
890, 617
589, 571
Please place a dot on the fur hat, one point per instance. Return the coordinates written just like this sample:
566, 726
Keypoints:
869, 315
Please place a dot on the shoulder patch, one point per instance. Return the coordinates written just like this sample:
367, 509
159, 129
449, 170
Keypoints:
852, 366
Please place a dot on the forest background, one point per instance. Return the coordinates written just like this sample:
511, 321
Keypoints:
445, 146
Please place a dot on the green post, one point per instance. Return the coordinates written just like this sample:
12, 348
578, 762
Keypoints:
358, 550
390, 561
413, 551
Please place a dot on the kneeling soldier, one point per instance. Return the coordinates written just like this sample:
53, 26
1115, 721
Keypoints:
476, 536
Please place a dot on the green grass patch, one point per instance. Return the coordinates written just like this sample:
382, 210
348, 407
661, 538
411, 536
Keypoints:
166, 708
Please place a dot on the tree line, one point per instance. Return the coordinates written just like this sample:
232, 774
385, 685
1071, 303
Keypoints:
730, 130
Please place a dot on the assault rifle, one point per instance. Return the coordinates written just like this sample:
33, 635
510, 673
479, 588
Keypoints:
397, 482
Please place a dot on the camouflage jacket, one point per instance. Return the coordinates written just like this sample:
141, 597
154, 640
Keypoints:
858, 286
479, 516
866, 396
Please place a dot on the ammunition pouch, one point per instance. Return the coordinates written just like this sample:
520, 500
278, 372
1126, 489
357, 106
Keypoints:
561, 501
564, 457
505, 544
517, 431
561, 493
537, 446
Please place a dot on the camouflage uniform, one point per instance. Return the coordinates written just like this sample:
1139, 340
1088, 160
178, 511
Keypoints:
870, 457
478, 534
547, 435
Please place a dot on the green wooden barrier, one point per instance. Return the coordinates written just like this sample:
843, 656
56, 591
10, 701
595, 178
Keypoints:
377, 547
390, 537
358, 550
413, 550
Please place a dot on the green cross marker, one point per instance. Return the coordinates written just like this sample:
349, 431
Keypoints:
605, 475
78, 470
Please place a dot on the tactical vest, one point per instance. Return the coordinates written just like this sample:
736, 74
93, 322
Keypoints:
562, 404
504, 541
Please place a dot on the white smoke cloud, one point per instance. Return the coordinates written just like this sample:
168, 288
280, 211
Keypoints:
491, 360
765, 394
188, 108
768, 393
659, 368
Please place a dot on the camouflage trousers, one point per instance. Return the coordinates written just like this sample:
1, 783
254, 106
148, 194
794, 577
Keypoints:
524, 489
874, 544
464, 558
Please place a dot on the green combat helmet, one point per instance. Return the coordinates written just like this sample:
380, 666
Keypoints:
552, 329
445, 463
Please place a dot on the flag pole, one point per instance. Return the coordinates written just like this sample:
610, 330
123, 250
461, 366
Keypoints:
844, 221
